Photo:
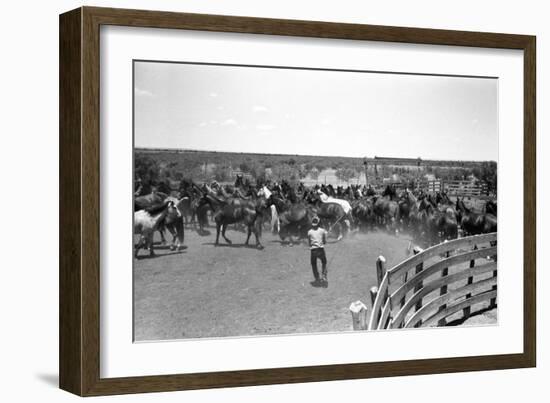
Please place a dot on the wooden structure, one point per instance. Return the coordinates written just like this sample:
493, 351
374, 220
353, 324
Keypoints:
444, 281
465, 188
462, 188
430, 185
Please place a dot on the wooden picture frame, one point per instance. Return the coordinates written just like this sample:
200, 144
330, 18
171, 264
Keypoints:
79, 346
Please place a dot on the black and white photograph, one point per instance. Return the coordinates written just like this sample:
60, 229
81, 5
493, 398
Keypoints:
273, 200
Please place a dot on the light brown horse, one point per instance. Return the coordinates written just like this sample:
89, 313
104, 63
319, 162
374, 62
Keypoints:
294, 218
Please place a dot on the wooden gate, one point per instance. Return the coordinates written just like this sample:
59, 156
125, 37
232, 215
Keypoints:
444, 281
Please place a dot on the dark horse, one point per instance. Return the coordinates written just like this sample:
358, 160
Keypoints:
436, 225
386, 209
363, 213
189, 193
234, 210
474, 223
151, 199
491, 207
201, 207
407, 207
294, 218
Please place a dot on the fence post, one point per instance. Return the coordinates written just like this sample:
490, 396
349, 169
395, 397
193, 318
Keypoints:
359, 315
420, 285
493, 302
380, 269
443, 291
402, 303
380, 273
373, 294
466, 312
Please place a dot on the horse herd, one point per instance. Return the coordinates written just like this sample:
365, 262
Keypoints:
288, 210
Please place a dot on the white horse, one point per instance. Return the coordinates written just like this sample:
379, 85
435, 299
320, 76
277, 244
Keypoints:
275, 223
146, 222
327, 199
346, 206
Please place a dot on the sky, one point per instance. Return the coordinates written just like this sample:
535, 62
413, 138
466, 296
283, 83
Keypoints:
312, 112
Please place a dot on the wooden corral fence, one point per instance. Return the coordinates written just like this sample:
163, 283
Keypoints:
396, 185
455, 187
465, 188
430, 186
433, 285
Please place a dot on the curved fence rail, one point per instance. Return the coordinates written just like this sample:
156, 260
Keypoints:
443, 282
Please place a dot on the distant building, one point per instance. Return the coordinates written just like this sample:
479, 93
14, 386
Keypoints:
398, 161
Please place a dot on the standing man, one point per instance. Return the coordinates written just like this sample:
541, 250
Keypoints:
317, 239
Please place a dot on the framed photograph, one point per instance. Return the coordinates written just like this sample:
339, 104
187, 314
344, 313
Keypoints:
249, 201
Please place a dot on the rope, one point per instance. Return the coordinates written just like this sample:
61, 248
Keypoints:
336, 222
329, 264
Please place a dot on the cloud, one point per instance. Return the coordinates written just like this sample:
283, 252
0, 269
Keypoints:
229, 122
142, 93
265, 127
259, 108
326, 121
213, 94
203, 124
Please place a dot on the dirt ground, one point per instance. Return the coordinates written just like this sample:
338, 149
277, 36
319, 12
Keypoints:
233, 290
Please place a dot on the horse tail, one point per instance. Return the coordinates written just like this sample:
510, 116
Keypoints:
180, 229
274, 219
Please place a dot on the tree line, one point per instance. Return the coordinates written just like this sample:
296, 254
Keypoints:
157, 167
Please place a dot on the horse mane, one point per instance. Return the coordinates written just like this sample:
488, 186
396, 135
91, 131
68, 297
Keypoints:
461, 206
161, 195
225, 191
239, 193
157, 208
431, 209
278, 201
215, 198
195, 188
